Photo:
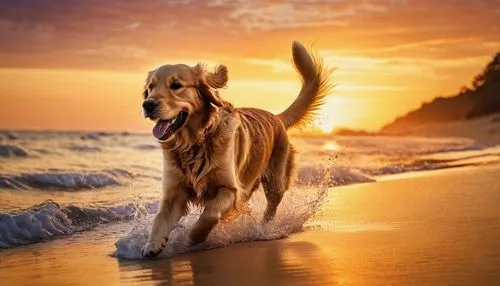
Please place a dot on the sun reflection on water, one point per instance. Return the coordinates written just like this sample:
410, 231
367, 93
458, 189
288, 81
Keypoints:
331, 146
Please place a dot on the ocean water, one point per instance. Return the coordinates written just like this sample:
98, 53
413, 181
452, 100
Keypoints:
55, 184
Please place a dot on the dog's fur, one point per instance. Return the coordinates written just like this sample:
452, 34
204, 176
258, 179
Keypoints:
222, 153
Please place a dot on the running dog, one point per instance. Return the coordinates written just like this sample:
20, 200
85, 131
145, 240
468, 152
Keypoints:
216, 155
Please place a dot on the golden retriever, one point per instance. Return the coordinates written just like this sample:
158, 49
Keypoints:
216, 155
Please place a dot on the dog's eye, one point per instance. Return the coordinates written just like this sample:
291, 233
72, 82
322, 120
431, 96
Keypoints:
150, 86
175, 85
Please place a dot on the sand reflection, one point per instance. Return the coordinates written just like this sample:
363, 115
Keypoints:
260, 263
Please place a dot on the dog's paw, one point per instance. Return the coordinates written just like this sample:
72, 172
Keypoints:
196, 239
153, 248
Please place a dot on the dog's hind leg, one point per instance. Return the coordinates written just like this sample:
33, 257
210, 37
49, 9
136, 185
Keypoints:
277, 177
215, 210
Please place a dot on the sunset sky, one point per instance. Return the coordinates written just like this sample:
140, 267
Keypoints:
81, 64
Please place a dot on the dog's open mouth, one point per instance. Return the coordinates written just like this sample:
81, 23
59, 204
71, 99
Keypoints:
165, 128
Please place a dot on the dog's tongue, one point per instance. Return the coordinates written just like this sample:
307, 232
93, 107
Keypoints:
161, 128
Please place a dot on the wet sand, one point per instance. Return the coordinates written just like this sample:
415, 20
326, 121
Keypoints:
437, 228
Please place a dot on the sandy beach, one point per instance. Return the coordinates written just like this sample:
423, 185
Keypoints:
437, 228
295, 142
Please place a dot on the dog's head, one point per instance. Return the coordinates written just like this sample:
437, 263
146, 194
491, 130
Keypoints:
175, 94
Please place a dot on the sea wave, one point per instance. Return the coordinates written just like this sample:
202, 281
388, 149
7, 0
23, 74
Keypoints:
7, 151
9, 135
92, 136
451, 148
340, 175
58, 179
84, 148
50, 220
415, 166
403, 146
336, 175
433, 164
147, 146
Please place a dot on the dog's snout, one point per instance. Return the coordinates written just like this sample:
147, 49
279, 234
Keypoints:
149, 106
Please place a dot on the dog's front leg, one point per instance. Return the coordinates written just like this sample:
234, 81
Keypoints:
172, 208
215, 209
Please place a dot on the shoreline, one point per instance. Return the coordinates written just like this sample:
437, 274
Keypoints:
431, 229
377, 179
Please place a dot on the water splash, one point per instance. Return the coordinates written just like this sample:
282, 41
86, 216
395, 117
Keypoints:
298, 206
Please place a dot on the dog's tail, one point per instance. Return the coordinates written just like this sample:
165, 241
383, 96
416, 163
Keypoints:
315, 86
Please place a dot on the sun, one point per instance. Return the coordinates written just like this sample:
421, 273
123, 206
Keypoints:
331, 115
326, 124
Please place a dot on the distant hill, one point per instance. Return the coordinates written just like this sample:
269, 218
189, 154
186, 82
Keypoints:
482, 99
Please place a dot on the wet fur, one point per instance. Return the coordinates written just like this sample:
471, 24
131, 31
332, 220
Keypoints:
222, 154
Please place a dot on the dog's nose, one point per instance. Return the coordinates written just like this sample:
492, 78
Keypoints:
149, 106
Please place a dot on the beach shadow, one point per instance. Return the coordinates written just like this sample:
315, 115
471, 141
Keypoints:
257, 263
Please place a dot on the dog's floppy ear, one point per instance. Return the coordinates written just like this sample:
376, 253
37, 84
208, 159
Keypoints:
146, 83
208, 81
148, 78
217, 79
